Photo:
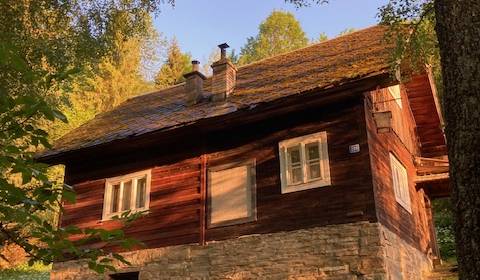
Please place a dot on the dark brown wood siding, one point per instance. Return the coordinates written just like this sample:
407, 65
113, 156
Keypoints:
415, 227
176, 192
348, 199
174, 214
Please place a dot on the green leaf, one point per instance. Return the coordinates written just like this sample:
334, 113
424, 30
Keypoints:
69, 195
59, 115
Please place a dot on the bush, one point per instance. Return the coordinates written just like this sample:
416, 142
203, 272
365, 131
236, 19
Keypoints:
443, 216
37, 271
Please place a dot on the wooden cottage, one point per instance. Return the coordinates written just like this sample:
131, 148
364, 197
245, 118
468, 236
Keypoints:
314, 164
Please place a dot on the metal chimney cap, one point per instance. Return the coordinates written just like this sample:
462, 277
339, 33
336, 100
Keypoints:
224, 46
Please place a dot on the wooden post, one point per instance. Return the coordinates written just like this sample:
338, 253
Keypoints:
203, 198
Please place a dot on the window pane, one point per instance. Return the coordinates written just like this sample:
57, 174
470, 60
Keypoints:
314, 171
294, 165
127, 195
141, 192
296, 175
312, 151
115, 198
294, 155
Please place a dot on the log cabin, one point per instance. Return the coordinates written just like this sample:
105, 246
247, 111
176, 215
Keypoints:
313, 164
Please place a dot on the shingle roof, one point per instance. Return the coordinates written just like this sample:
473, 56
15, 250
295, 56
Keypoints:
360, 54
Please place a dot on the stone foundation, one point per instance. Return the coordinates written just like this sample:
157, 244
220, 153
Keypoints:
402, 261
350, 251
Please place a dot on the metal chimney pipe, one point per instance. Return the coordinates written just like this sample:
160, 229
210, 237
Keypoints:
223, 50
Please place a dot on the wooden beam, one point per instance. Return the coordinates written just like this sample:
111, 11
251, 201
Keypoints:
431, 177
203, 198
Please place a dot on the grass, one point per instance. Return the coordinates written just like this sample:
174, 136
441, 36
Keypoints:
37, 271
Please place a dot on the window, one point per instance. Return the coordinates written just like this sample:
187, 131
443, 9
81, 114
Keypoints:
231, 194
129, 192
400, 182
304, 162
396, 94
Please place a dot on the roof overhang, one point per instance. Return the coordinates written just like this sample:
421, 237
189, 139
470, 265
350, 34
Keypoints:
313, 98
425, 106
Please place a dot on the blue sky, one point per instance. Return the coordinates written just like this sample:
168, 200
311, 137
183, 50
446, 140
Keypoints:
200, 25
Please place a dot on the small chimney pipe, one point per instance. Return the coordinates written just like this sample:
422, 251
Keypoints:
224, 76
223, 50
194, 84
195, 65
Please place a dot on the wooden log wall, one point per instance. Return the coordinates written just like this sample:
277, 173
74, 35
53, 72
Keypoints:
174, 213
177, 198
414, 227
403, 123
348, 199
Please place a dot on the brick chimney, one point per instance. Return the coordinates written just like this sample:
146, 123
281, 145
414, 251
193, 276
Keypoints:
224, 76
194, 84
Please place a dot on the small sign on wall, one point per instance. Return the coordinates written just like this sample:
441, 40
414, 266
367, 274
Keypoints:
353, 149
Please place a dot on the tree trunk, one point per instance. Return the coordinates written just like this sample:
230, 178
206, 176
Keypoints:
458, 30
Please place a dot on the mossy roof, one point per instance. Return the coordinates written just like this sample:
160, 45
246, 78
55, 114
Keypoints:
345, 59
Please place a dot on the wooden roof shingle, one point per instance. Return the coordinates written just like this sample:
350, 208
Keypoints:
338, 61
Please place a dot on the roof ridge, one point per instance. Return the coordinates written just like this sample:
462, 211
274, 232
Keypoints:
256, 62
152, 92
309, 46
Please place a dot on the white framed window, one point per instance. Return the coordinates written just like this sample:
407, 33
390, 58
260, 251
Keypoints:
304, 162
400, 183
127, 192
231, 194
395, 92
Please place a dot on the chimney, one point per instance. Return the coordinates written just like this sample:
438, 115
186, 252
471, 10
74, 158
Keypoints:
224, 76
194, 84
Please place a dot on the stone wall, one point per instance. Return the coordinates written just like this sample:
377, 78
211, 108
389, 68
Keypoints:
350, 251
402, 261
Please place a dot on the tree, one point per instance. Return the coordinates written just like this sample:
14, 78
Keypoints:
117, 77
42, 45
279, 33
457, 29
322, 37
176, 65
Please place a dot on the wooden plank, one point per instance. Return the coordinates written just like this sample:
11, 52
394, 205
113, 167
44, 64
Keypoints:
203, 200
409, 226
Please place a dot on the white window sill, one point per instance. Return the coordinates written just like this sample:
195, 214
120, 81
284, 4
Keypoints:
306, 186
404, 205
110, 217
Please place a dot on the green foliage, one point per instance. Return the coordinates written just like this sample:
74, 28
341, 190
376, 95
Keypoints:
412, 29
44, 46
176, 65
347, 31
306, 3
279, 33
443, 218
37, 271
96, 90
233, 56
322, 37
